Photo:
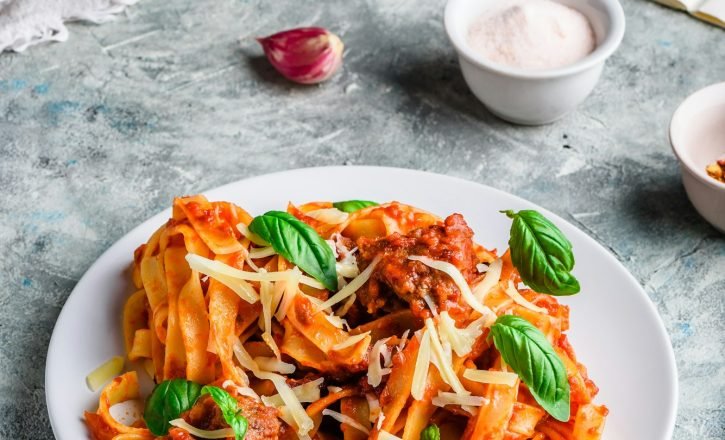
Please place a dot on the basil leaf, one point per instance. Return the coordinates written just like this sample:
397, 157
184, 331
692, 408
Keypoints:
298, 243
431, 432
167, 401
527, 351
353, 205
230, 410
541, 253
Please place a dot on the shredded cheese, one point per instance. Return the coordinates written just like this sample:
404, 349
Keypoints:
331, 216
492, 277
266, 296
274, 364
380, 421
336, 321
520, 300
262, 252
352, 287
302, 422
254, 238
403, 339
373, 407
242, 288
347, 420
431, 305
242, 391
442, 362
347, 270
350, 341
492, 377
457, 277
202, 433
307, 392
460, 339
375, 371
342, 311
214, 268
290, 291
104, 373
422, 363
445, 398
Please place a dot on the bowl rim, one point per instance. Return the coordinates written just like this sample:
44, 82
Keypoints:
677, 149
601, 52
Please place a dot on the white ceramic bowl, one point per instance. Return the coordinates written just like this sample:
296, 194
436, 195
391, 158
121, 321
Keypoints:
534, 97
697, 135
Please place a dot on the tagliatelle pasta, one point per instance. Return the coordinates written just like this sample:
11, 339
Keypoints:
405, 342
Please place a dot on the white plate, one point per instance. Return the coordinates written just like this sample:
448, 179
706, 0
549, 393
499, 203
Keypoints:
615, 329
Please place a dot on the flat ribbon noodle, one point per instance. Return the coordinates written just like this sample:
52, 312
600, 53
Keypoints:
194, 321
214, 222
224, 311
134, 317
177, 275
102, 424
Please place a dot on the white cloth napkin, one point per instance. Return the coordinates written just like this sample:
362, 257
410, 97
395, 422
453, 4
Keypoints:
25, 23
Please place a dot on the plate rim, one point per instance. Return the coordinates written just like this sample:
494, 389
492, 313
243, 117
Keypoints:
671, 415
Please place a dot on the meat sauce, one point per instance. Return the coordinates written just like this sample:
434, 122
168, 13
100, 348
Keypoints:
411, 280
263, 423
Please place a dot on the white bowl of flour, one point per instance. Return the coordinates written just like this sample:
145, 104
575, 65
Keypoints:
532, 61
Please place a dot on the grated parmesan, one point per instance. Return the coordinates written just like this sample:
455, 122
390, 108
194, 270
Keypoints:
274, 364
492, 377
342, 311
214, 268
347, 420
520, 300
350, 341
291, 288
457, 277
202, 433
302, 422
262, 252
352, 287
373, 407
492, 277
242, 391
445, 398
375, 371
422, 364
460, 339
307, 392
254, 238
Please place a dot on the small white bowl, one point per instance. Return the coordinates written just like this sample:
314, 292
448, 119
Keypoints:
534, 97
697, 136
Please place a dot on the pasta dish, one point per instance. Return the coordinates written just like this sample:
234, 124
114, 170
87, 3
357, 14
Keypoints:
347, 320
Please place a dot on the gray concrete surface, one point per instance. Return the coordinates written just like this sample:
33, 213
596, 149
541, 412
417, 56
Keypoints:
99, 133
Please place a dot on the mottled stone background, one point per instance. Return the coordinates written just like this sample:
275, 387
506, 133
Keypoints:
99, 133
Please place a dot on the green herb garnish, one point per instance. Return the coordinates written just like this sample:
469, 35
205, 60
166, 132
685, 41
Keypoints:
298, 243
230, 410
541, 253
167, 401
527, 351
431, 432
353, 205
